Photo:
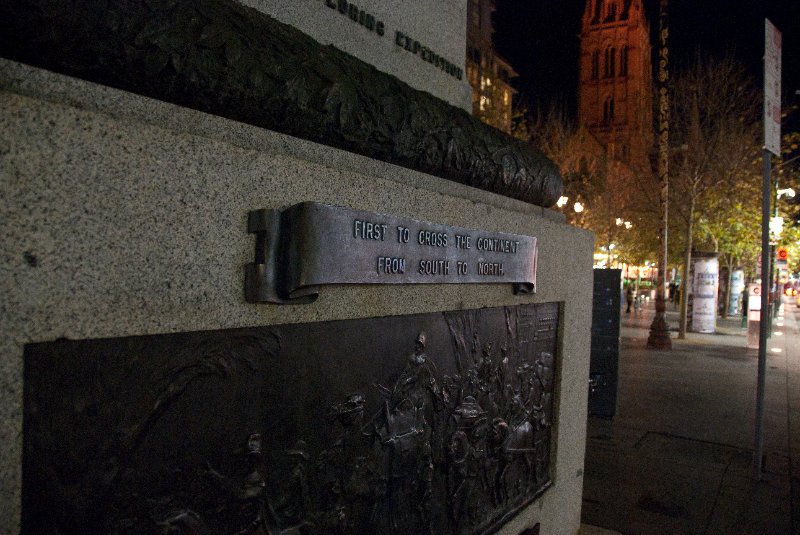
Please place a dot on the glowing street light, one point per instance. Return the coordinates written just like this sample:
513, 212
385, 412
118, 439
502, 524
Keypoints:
562, 201
578, 207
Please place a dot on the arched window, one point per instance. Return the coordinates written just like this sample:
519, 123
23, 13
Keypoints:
623, 61
612, 70
609, 63
595, 64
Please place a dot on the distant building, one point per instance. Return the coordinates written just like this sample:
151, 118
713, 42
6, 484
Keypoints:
616, 80
488, 73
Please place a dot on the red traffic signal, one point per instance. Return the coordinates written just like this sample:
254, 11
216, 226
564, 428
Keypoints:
782, 253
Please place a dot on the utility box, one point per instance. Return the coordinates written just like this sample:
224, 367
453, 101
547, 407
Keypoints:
604, 360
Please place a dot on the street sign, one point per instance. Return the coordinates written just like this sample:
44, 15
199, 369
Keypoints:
782, 253
772, 88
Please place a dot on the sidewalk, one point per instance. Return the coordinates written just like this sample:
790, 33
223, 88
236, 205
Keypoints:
677, 458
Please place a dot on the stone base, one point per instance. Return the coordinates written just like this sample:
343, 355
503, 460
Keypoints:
126, 216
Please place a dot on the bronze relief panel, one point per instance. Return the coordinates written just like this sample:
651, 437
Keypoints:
431, 423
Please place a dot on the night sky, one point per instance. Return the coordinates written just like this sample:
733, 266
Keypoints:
541, 40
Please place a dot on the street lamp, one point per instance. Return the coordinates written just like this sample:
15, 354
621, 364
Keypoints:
659, 329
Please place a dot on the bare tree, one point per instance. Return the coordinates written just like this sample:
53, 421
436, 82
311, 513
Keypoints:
585, 167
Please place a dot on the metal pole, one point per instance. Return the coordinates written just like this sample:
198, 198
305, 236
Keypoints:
766, 195
772, 289
774, 274
659, 329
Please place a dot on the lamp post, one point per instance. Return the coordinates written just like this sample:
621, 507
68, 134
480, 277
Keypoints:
659, 329
610, 248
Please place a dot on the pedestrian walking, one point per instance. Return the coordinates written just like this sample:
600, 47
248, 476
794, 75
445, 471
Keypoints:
629, 297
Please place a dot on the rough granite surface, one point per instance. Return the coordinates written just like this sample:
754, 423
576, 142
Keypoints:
123, 216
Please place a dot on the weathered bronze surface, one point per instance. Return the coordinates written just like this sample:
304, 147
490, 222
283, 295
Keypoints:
313, 244
223, 58
434, 423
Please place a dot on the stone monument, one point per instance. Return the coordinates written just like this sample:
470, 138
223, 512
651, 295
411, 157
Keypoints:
263, 272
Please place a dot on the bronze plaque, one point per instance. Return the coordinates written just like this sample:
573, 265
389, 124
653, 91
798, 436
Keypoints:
312, 244
432, 423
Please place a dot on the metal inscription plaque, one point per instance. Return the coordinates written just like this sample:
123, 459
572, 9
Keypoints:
313, 244
434, 423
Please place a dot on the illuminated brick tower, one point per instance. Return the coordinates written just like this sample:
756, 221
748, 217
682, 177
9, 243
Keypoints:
615, 88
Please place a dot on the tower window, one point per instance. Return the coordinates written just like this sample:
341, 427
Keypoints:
608, 110
612, 12
598, 10
609, 63
595, 64
623, 61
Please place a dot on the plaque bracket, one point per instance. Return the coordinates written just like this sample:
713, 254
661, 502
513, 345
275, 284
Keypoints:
262, 284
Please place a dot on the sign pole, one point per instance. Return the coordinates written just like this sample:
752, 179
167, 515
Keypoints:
765, 316
772, 144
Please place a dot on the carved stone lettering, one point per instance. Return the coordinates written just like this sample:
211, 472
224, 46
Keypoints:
435, 423
220, 57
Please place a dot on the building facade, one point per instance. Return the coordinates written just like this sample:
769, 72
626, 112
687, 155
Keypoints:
615, 88
488, 73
